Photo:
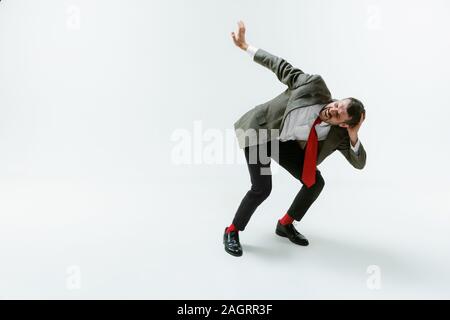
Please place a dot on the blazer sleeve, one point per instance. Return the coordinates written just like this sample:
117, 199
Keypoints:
357, 160
285, 72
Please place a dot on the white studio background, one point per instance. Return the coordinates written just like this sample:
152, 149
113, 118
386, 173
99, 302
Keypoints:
96, 97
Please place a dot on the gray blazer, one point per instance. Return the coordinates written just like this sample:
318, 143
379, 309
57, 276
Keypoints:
265, 121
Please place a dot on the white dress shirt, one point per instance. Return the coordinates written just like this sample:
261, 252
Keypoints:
298, 122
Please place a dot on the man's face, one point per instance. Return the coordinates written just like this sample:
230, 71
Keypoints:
335, 113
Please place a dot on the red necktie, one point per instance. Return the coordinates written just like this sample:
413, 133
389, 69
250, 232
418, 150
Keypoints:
309, 163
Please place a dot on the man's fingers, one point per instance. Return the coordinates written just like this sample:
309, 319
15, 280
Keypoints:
361, 120
240, 36
241, 26
233, 35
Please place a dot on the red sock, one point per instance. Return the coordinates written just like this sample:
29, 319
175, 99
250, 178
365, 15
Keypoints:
231, 228
287, 219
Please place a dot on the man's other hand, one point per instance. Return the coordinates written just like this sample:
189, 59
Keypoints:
353, 132
239, 38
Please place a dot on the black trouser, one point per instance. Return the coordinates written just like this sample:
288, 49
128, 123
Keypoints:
290, 156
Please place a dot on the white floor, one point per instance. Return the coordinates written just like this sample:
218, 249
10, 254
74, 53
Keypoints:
90, 239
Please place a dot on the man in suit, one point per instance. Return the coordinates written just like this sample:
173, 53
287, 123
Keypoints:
299, 128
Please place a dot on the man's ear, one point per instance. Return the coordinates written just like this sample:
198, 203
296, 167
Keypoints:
343, 125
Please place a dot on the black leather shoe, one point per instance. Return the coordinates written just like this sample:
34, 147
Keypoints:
289, 231
232, 244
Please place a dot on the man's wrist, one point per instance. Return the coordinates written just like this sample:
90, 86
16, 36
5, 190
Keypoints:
251, 50
354, 140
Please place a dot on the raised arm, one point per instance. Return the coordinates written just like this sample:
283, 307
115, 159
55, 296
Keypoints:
285, 72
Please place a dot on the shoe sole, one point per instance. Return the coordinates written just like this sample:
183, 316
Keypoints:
285, 236
232, 253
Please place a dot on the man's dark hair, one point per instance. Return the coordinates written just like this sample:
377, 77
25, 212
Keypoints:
354, 110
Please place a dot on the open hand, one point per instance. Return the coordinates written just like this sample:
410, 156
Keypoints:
353, 132
239, 38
